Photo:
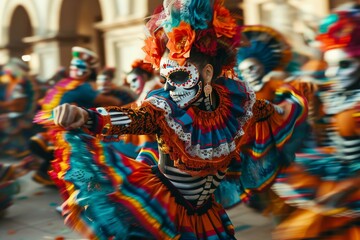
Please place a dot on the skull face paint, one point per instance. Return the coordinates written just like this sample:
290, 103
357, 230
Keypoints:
78, 69
342, 68
252, 71
182, 82
136, 82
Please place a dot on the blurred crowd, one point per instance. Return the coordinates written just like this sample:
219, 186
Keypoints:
315, 197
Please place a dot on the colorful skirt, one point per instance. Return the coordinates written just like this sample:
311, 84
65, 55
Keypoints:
315, 173
108, 194
143, 148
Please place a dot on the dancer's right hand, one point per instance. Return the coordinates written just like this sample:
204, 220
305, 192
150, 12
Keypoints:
69, 116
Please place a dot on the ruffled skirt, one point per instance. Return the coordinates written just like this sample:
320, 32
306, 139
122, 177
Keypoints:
108, 194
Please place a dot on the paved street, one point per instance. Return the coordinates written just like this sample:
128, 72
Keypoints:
33, 217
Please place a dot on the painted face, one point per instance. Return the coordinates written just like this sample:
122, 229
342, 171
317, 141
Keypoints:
343, 68
136, 82
103, 83
78, 69
182, 82
252, 71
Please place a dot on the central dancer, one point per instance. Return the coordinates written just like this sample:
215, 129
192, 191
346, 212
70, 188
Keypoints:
199, 118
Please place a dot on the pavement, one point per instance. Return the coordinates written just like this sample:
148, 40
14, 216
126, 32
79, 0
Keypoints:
33, 217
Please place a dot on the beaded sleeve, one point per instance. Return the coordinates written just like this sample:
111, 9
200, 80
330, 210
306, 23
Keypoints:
112, 122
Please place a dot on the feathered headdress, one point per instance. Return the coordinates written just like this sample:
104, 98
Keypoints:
267, 45
341, 29
184, 26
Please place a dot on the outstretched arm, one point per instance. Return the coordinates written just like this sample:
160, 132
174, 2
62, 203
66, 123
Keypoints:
108, 121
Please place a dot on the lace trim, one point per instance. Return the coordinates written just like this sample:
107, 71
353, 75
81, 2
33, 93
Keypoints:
191, 158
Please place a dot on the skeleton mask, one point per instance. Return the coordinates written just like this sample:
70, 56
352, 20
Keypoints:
252, 71
344, 69
182, 82
78, 69
136, 82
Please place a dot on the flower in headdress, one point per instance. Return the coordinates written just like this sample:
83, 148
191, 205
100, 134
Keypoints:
154, 48
152, 51
206, 42
224, 24
180, 42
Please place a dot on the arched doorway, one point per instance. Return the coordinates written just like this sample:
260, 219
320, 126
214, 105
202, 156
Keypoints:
77, 20
19, 28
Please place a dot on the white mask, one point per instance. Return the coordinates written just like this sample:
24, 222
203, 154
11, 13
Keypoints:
342, 68
182, 82
252, 71
136, 82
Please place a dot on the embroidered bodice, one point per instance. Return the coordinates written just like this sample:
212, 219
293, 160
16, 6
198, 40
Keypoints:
196, 147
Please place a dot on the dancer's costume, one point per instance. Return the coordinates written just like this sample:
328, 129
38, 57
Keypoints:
318, 171
108, 195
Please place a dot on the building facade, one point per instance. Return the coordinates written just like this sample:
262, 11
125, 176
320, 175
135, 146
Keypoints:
42, 32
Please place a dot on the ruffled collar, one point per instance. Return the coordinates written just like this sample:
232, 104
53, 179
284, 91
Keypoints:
202, 141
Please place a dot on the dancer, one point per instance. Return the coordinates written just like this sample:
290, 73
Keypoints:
74, 89
199, 118
105, 85
263, 64
323, 184
142, 78
17, 109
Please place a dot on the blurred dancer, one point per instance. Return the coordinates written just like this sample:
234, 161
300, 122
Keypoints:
199, 118
105, 85
76, 90
263, 65
17, 106
142, 79
324, 182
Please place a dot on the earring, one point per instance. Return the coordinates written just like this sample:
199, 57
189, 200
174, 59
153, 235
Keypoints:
207, 89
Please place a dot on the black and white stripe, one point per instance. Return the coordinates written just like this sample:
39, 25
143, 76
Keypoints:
348, 149
195, 189
119, 118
